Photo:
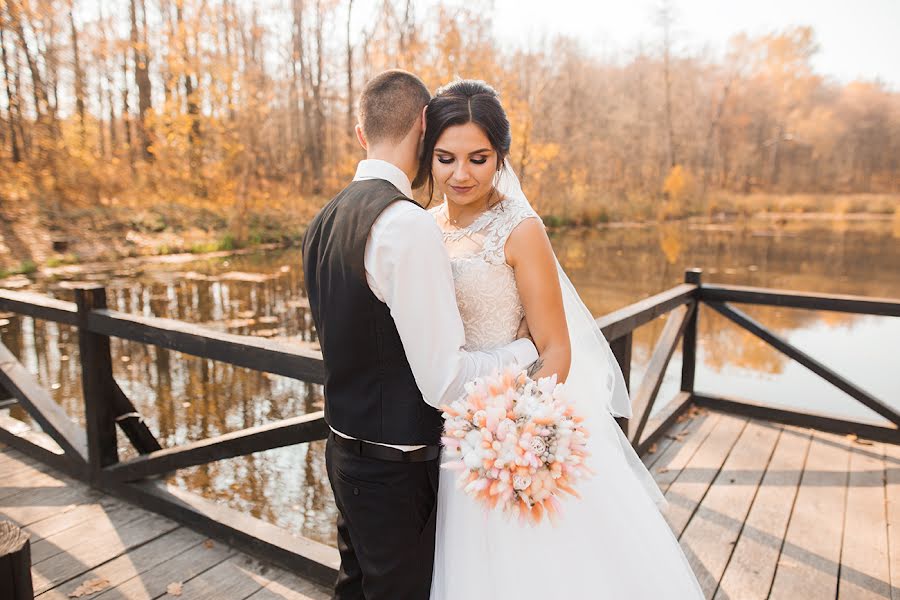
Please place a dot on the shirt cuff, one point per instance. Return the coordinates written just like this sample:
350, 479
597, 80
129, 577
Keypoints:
524, 351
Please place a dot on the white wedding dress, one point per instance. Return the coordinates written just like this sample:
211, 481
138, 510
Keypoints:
613, 543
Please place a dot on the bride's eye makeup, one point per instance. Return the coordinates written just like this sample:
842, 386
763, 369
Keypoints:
445, 160
479, 160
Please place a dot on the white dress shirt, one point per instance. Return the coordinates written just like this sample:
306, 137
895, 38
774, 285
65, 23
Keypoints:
408, 269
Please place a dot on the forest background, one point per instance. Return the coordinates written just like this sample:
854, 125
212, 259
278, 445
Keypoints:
133, 127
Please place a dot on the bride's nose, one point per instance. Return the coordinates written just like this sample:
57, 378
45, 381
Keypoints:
461, 172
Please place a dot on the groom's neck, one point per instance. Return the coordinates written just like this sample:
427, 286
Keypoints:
396, 154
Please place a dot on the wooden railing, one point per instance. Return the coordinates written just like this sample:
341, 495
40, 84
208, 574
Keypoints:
91, 453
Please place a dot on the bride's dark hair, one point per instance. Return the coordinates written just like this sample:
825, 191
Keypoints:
458, 103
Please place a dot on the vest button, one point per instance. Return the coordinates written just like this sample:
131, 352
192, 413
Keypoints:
356, 491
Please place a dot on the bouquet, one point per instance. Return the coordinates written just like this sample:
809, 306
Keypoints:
517, 443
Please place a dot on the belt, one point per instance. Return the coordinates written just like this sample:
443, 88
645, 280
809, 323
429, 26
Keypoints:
370, 450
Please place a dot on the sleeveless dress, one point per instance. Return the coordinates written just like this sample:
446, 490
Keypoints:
613, 543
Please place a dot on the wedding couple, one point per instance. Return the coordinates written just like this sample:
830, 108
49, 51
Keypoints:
410, 305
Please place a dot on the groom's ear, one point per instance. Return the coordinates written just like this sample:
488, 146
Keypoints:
361, 138
424, 120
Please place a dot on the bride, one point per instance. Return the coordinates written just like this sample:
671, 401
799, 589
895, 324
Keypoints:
613, 543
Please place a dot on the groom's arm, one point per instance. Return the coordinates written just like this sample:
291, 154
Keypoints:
408, 269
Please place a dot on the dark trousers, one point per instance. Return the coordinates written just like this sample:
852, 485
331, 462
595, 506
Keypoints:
385, 525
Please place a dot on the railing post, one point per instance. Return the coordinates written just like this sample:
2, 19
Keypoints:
689, 341
621, 349
97, 383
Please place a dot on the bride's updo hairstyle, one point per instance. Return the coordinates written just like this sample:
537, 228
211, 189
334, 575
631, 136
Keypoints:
458, 103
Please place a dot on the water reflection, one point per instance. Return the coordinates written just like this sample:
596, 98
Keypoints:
185, 398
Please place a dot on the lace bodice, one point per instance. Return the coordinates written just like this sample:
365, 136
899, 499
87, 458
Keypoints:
486, 290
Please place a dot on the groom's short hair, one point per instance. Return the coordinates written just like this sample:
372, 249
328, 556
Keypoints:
389, 105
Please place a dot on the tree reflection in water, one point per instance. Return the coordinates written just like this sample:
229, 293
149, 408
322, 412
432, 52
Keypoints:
185, 398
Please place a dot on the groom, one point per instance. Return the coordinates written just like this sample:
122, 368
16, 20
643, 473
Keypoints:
382, 299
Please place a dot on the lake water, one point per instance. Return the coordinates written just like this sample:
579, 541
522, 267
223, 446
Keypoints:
184, 398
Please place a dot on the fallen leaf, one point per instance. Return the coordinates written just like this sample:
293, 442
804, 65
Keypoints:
208, 544
663, 470
88, 587
174, 589
651, 449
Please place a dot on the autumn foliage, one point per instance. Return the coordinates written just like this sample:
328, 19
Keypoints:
246, 109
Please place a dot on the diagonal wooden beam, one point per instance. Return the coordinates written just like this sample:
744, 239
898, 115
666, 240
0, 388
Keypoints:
305, 428
806, 360
643, 399
132, 424
41, 406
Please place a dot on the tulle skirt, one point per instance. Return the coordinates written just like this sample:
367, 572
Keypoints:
612, 543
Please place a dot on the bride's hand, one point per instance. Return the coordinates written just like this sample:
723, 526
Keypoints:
523, 331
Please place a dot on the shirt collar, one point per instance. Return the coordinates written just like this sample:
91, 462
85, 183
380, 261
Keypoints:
373, 168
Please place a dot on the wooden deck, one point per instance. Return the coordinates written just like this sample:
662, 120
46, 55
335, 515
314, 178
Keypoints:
765, 510
762, 510
79, 534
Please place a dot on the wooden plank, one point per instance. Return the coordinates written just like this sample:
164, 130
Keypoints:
679, 453
72, 529
710, 536
34, 504
240, 350
692, 483
81, 558
822, 422
237, 577
304, 556
865, 573
888, 307
304, 428
654, 450
128, 566
41, 406
180, 568
807, 361
287, 586
64, 520
658, 425
625, 320
642, 400
38, 306
810, 557
892, 497
751, 569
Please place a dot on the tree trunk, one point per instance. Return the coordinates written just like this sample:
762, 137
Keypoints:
141, 78
79, 75
350, 99
12, 99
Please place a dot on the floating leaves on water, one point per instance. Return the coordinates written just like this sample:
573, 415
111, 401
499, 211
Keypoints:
88, 587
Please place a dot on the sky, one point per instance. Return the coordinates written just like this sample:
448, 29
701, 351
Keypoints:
858, 39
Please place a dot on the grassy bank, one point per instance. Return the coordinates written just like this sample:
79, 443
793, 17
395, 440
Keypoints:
29, 232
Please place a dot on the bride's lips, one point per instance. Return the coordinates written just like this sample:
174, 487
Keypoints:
462, 190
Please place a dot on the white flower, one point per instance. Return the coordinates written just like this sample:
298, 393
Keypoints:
521, 482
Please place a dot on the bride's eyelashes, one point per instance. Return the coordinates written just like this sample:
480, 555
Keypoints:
446, 160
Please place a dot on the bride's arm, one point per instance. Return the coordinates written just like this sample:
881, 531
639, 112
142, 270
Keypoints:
529, 253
